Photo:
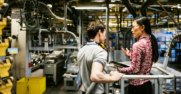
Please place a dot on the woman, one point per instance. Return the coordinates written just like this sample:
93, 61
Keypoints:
144, 53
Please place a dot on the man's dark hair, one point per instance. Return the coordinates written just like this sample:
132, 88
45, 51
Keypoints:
93, 28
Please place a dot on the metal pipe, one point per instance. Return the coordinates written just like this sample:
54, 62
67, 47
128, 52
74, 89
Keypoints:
129, 7
120, 25
178, 15
91, 87
80, 23
163, 70
168, 14
145, 5
165, 62
43, 5
40, 30
157, 16
65, 15
146, 76
50, 39
82, 29
127, 23
71, 34
69, 9
117, 34
122, 86
156, 86
107, 29
168, 76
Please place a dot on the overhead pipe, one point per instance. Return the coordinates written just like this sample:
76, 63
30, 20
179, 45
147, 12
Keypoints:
155, 9
77, 40
39, 36
145, 5
65, 25
168, 14
129, 7
43, 5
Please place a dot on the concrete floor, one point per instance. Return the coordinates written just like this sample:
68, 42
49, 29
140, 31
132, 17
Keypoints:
57, 90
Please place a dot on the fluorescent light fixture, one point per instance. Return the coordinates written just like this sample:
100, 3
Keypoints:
91, 7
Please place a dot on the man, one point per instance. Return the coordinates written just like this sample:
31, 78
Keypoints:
92, 61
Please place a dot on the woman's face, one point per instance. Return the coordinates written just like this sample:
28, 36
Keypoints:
136, 30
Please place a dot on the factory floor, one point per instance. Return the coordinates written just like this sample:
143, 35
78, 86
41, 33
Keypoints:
58, 89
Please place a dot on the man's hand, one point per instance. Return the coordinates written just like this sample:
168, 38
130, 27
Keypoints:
116, 75
125, 51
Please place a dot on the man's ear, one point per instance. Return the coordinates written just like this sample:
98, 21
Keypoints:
99, 31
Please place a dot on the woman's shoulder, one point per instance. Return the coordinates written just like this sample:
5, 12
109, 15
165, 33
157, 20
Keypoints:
141, 43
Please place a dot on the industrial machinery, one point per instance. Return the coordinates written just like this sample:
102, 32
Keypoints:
37, 29
54, 67
72, 82
37, 61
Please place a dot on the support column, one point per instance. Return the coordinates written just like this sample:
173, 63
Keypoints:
20, 67
80, 28
178, 15
107, 29
119, 48
155, 18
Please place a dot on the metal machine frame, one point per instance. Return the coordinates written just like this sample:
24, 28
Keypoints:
54, 63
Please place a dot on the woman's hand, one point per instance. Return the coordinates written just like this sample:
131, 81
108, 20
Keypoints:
126, 52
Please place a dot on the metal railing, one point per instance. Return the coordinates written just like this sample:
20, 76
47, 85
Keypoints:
156, 77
